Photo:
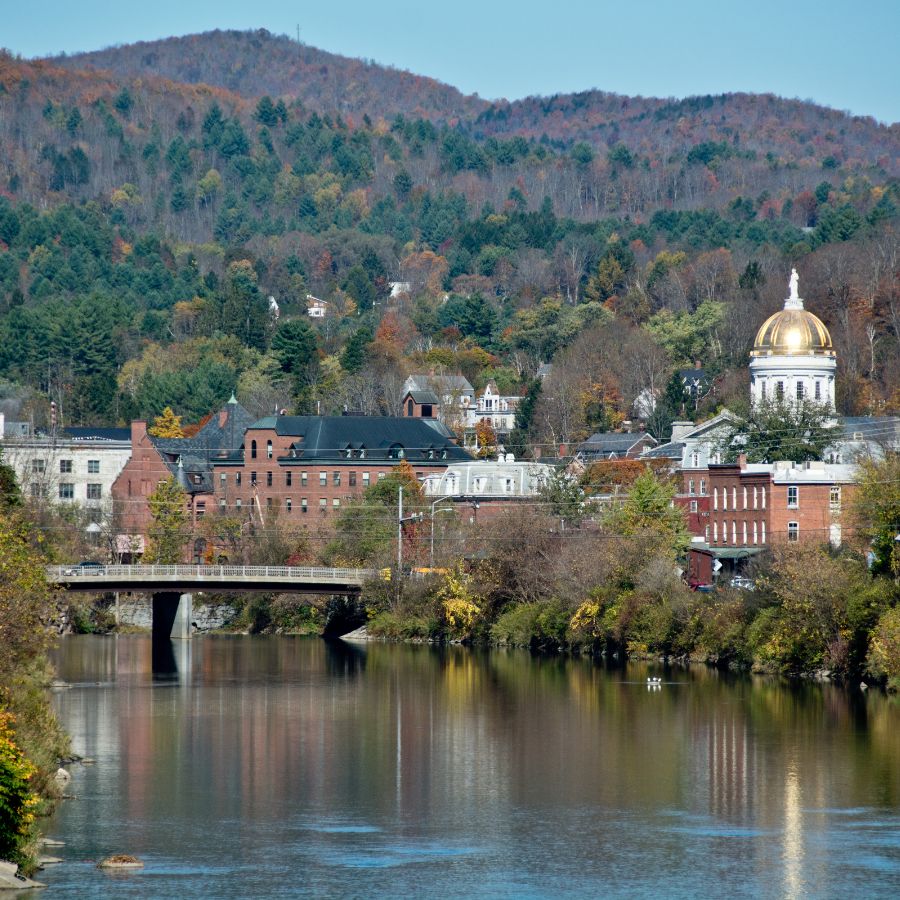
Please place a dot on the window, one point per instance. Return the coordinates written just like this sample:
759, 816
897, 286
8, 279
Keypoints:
288, 506
253, 450
352, 479
323, 504
268, 449
366, 479
201, 509
762, 496
755, 497
733, 531
288, 478
695, 459
745, 531
268, 479
303, 505
253, 479
223, 479
380, 475
715, 532
362, 453
763, 389
691, 490
835, 498
65, 467
793, 531
268, 502
197, 479
94, 491
762, 531
38, 466
779, 390
222, 506
702, 487
66, 491
724, 532
734, 498
755, 532
409, 407
818, 390
792, 497
93, 467
715, 498
37, 490
724, 498
303, 479
237, 504
237, 479
336, 503
336, 479
693, 506
799, 390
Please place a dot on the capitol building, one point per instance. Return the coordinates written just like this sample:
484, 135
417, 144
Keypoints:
793, 358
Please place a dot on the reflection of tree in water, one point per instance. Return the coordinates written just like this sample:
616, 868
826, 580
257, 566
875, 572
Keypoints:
343, 658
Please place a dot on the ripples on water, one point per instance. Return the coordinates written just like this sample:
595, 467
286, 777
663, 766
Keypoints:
267, 767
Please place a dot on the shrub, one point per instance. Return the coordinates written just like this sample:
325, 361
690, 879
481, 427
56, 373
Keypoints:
884, 650
17, 799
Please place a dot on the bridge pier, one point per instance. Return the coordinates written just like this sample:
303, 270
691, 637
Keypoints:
172, 613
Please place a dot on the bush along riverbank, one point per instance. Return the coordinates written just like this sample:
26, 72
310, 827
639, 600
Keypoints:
812, 611
32, 744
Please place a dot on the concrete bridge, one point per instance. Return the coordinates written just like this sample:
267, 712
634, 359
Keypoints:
173, 587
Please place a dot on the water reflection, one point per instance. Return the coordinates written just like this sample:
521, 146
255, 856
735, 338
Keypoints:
462, 771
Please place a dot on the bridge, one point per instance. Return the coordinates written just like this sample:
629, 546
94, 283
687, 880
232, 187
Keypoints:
231, 579
173, 586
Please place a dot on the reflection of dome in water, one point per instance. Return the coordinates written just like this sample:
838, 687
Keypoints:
793, 330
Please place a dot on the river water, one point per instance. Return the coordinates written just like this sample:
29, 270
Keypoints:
287, 766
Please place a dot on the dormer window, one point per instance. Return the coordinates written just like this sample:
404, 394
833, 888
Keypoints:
396, 452
362, 452
348, 452
443, 454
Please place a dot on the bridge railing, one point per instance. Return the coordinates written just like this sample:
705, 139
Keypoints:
177, 572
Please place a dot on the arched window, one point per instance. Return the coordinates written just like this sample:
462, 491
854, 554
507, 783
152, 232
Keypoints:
409, 407
253, 450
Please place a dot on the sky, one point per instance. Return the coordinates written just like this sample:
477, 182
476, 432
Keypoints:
839, 54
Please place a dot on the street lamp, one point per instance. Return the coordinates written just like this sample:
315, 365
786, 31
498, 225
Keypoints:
434, 512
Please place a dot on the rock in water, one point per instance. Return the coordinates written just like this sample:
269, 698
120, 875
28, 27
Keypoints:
62, 777
10, 880
120, 861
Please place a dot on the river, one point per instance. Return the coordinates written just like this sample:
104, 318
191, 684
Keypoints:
288, 766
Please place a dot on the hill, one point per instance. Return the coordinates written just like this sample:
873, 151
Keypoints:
256, 63
145, 220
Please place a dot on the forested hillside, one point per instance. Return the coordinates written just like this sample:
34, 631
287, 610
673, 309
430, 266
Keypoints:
145, 221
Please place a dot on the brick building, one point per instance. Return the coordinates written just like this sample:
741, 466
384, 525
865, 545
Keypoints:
748, 508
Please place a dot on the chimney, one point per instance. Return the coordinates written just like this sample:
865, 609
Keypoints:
563, 450
698, 364
680, 429
742, 461
138, 431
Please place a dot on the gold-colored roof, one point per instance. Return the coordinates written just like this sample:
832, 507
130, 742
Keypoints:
793, 332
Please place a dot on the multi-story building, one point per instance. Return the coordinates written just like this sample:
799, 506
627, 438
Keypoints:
70, 466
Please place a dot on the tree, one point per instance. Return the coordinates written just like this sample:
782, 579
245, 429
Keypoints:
296, 348
166, 425
518, 438
877, 511
648, 508
353, 357
10, 492
245, 311
777, 429
167, 531
564, 497
359, 286
486, 439
266, 114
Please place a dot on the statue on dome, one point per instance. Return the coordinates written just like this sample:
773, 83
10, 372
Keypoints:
794, 285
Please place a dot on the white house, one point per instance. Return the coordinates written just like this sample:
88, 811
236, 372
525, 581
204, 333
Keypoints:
504, 478
497, 410
316, 308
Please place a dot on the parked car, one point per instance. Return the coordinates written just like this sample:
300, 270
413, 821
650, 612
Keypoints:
741, 582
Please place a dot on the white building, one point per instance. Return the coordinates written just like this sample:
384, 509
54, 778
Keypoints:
488, 478
497, 410
792, 356
72, 466
316, 308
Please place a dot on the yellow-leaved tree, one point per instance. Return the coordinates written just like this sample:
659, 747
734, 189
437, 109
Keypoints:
167, 425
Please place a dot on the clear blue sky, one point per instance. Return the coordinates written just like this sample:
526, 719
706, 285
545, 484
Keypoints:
840, 54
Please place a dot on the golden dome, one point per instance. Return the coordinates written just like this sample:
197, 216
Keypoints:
793, 331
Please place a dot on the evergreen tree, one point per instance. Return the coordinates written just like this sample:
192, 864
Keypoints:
353, 357
295, 347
